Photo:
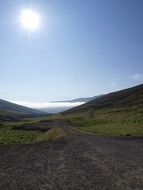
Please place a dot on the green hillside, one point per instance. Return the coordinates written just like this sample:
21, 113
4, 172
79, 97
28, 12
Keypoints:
117, 113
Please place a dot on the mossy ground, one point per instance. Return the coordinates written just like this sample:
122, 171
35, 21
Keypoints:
112, 122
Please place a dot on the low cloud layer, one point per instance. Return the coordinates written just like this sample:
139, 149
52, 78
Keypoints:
51, 107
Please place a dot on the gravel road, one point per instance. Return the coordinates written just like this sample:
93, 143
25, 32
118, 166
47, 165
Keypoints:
74, 162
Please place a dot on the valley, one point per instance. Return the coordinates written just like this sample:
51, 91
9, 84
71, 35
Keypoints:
97, 145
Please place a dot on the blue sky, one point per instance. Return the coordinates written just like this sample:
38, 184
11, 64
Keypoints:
83, 48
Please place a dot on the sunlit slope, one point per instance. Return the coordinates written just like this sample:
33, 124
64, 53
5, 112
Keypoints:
117, 113
10, 111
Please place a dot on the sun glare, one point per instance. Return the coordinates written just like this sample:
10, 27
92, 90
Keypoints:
30, 19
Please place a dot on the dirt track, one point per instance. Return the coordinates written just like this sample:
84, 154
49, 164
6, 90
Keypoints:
75, 162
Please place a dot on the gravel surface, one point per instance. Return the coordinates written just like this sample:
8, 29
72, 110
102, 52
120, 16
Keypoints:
75, 162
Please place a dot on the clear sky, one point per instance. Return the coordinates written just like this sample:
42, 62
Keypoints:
82, 48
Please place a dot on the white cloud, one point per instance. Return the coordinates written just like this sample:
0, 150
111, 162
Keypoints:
37, 105
138, 77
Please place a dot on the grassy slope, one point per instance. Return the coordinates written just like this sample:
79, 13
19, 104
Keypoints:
119, 113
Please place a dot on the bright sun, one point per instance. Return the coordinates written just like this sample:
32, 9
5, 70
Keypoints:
30, 19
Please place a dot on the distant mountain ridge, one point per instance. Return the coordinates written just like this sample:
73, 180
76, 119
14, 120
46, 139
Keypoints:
10, 111
86, 99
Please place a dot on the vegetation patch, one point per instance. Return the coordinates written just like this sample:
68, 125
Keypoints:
112, 122
53, 134
17, 137
10, 136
